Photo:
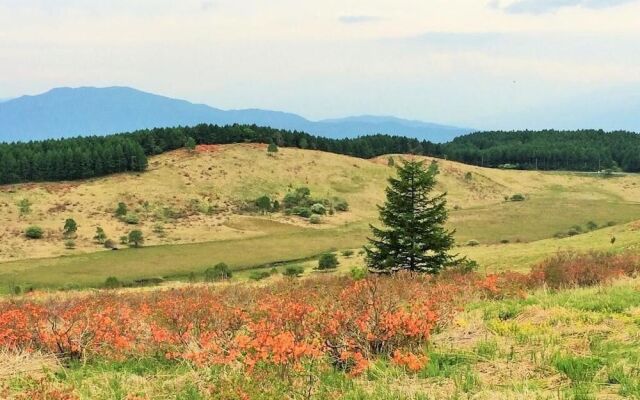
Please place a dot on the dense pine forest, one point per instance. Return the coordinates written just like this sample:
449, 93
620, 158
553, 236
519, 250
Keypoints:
586, 150
87, 157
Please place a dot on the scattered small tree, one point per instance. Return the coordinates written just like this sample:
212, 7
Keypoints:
124, 239
293, 271
135, 239
100, 236
112, 283
591, 225
391, 162
121, 210
220, 271
190, 144
70, 227
109, 244
34, 232
24, 206
272, 148
328, 261
413, 237
264, 204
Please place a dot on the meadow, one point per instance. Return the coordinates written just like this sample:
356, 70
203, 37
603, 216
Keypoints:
189, 206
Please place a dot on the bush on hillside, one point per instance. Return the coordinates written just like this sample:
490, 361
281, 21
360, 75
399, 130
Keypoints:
121, 210
473, 243
218, 272
70, 227
340, 204
328, 261
263, 204
303, 212
347, 253
568, 269
100, 236
34, 232
293, 271
131, 219
259, 275
135, 238
318, 208
315, 219
517, 197
112, 283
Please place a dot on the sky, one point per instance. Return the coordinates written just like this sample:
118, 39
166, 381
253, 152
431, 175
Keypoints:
475, 63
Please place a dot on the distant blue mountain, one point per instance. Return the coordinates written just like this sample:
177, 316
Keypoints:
65, 112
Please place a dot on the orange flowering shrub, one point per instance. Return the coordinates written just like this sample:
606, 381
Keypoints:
291, 325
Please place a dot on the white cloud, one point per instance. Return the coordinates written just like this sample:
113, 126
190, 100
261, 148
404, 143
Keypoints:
548, 6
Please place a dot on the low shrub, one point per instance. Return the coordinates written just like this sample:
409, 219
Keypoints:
303, 212
328, 261
131, 219
112, 283
358, 273
259, 275
347, 253
340, 204
517, 197
570, 269
318, 208
315, 219
34, 232
70, 244
473, 243
293, 271
220, 271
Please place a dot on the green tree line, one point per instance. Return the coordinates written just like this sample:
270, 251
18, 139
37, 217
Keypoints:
87, 157
584, 150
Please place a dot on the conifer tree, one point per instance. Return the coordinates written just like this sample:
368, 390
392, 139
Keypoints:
413, 237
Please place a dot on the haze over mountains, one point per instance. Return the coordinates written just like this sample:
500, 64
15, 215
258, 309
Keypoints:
65, 112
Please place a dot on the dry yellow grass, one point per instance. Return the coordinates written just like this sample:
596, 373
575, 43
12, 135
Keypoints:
185, 182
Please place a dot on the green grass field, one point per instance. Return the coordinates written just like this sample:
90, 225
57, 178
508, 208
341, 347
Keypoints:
554, 203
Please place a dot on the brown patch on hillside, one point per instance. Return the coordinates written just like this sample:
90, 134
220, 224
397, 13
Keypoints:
208, 148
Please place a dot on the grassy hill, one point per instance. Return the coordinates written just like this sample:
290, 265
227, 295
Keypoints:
189, 206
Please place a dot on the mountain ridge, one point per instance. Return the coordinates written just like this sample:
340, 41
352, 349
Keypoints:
65, 111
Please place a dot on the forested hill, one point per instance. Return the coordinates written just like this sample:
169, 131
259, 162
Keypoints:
585, 150
87, 157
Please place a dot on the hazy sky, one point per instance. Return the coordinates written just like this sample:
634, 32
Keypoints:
453, 61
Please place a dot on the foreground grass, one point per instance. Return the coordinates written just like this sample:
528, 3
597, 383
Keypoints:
571, 344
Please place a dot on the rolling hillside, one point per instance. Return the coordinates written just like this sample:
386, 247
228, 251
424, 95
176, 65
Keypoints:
190, 205
65, 112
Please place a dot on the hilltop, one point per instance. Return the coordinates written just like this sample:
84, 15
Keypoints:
65, 112
191, 209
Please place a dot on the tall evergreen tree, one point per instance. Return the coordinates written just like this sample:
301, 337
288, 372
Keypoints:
413, 237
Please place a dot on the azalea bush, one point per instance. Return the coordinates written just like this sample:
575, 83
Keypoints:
291, 328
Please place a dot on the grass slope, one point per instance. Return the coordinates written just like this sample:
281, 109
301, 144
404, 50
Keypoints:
222, 177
